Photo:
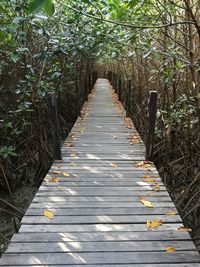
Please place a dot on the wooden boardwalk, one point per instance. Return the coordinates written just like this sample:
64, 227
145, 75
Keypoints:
95, 196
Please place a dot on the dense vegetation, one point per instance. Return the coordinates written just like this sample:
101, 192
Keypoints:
53, 46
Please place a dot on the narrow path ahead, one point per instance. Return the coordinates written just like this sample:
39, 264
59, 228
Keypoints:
98, 196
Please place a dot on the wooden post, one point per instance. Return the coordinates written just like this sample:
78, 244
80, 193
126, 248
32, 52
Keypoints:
86, 88
53, 112
120, 89
78, 109
152, 108
90, 83
94, 78
110, 74
128, 111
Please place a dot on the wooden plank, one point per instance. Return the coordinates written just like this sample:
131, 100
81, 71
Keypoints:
96, 204
122, 265
51, 228
101, 236
101, 211
91, 219
100, 246
101, 258
53, 199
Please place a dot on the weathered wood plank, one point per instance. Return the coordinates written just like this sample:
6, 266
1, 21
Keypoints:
101, 236
101, 258
106, 246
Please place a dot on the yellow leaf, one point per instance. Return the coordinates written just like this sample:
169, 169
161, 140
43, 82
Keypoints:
114, 165
147, 176
54, 180
156, 188
149, 180
154, 224
171, 213
66, 174
48, 214
184, 229
146, 203
170, 249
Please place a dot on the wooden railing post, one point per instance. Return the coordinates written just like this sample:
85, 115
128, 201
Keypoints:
53, 112
120, 89
128, 111
90, 83
152, 108
77, 85
109, 76
94, 78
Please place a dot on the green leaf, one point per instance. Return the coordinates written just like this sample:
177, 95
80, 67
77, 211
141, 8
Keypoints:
36, 5
49, 7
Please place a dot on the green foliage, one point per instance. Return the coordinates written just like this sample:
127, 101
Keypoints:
7, 151
39, 5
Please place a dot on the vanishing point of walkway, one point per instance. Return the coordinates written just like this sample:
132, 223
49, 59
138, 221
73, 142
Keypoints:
102, 205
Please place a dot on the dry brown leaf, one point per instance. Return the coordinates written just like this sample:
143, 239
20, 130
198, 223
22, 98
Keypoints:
156, 188
68, 145
56, 172
146, 203
171, 213
184, 229
66, 174
170, 249
72, 164
147, 176
54, 180
149, 180
154, 224
114, 165
48, 214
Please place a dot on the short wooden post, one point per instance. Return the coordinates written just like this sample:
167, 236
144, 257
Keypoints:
94, 78
86, 89
90, 83
109, 76
152, 108
128, 111
78, 100
120, 89
53, 112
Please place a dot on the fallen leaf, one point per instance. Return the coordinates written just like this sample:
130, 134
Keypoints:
184, 229
144, 164
56, 172
72, 164
170, 249
68, 145
73, 155
66, 174
149, 180
54, 180
114, 165
171, 213
154, 224
48, 214
156, 188
146, 203
147, 176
